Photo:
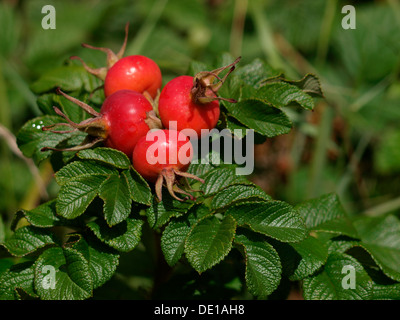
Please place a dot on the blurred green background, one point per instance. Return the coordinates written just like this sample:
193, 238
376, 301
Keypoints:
349, 144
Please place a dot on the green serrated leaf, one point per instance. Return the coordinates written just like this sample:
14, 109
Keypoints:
309, 84
175, 233
255, 72
31, 138
236, 193
281, 94
109, 156
28, 239
303, 258
209, 241
386, 292
75, 196
261, 117
381, 238
139, 189
43, 216
124, 236
275, 219
201, 167
326, 214
62, 274
5, 264
114, 191
238, 129
263, 266
219, 178
68, 78
103, 260
160, 212
335, 280
79, 169
19, 276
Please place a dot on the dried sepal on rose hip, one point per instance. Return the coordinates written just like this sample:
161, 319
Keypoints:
134, 72
162, 157
124, 117
193, 102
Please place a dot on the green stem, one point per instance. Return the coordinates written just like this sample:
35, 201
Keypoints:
395, 4
144, 32
383, 208
352, 165
319, 156
5, 119
238, 20
325, 31
23, 88
266, 38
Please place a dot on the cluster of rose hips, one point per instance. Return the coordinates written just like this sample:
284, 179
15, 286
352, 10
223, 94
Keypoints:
135, 109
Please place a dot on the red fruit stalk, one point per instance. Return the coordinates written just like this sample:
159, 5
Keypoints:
124, 118
163, 156
135, 72
192, 102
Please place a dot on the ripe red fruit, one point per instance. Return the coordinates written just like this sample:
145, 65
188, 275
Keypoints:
124, 114
138, 73
124, 118
135, 72
192, 102
176, 104
161, 156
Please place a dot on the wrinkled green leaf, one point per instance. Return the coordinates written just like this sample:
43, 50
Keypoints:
309, 84
75, 196
221, 177
116, 196
108, 156
175, 233
261, 117
326, 214
72, 277
275, 219
281, 94
236, 193
68, 78
209, 241
139, 189
124, 236
103, 261
303, 258
381, 238
330, 283
19, 276
386, 292
263, 266
43, 216
79, 169
28, 239
31, 138
159, 213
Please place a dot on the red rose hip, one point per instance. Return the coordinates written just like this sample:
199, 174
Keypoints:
192, 102
138, 73
161, 156
124, 118
135, 72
